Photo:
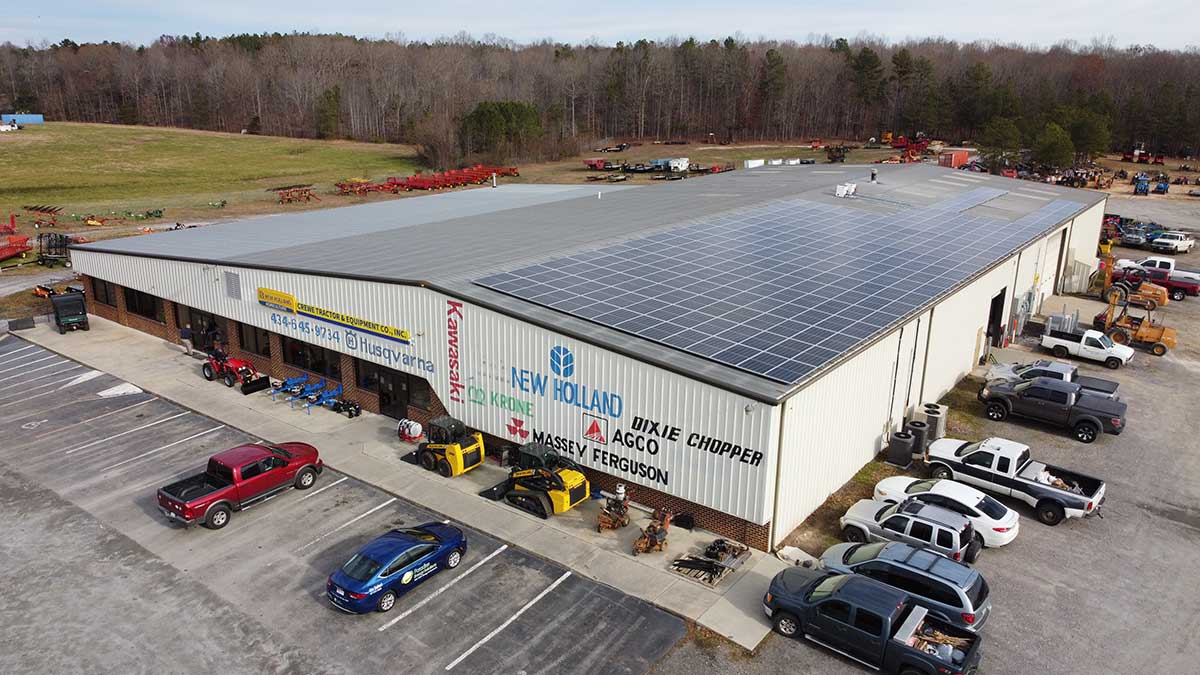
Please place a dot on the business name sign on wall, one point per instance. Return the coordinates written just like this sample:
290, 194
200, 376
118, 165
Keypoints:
286, 302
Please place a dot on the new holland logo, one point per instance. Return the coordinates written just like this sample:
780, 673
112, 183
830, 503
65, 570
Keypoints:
595, 429
562, 362
517, 428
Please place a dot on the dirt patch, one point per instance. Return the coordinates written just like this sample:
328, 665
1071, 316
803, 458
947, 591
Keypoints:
23, 304
964, 420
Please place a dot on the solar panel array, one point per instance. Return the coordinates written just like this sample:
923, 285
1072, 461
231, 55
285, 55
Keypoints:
781, 289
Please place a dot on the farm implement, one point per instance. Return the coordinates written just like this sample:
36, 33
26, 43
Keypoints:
12, 246
231, 371
291, 194
472, 175
44, 216
319, 399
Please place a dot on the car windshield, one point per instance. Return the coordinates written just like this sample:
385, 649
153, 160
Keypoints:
1105, 341
991, 508
886, 511
862, 553
920, 486
360, 567
827, 587
966, 449
978, 592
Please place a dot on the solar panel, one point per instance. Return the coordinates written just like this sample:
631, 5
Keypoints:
783, 288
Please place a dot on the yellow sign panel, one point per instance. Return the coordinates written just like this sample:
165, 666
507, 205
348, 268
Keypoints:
286, 302
278, 300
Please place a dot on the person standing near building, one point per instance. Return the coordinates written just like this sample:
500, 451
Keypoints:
185, 336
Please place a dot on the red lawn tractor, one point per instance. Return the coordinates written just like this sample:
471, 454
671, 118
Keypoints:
218, 366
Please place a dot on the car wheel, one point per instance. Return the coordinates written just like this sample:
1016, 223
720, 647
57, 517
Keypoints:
1159, 349
443, 468
942, 472
979, 542
207, 371
217, 518
1060, 351
853, 534
1049, 513
453, 559
1086, 432
387, 601
1178, 295
1112, 363
428, 460
997, 412
306, 479
786, 624
230, 379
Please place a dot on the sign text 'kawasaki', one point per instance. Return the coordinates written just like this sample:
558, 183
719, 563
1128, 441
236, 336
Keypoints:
564, 390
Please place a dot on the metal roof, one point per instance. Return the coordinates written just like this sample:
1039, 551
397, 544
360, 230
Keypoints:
409, 241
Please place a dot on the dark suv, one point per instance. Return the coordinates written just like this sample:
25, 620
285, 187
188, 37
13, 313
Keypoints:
950, 590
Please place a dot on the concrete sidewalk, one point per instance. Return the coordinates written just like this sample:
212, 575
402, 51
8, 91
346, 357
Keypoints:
367, 448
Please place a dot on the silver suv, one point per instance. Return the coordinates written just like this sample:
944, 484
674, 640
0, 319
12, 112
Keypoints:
912, 522
950, 590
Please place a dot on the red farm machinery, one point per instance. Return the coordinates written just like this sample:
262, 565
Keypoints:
472, 175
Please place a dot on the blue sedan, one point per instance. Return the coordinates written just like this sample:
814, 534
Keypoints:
391, 565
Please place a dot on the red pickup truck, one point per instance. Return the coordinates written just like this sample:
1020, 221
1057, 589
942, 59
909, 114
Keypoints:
237, 478
1177, 288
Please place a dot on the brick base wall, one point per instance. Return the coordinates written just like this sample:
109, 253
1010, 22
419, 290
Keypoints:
730, 527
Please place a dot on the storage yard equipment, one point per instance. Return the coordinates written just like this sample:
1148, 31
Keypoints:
52, 249
44, 216
542, 483
654, 535
70, 311
1142, 187
1138, 293
615, 513
953, 158
835, 153
1124, 329
12, 246
451, 450
322, 399
231, 371
291, 194
478, 174
720, 559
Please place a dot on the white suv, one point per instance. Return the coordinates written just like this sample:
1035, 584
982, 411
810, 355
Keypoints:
1175, 242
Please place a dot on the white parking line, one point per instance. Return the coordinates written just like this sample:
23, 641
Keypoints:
32, 370
45, 393
14, 352
126, 433
170, 445
26, 365
41, 386
511, 619
322, 489
21, 383
441, 590
345, 524
93, 419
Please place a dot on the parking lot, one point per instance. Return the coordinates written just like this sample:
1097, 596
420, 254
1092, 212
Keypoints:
1111, 595
81, 458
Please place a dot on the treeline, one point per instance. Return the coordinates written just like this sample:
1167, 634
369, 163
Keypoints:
547, 99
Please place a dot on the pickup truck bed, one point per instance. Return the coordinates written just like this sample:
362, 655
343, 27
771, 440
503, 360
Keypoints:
1088, 486
195, 487
1105, 387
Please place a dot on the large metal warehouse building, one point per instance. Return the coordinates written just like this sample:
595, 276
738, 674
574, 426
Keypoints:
736, 346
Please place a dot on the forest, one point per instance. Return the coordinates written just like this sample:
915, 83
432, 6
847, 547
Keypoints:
462, 97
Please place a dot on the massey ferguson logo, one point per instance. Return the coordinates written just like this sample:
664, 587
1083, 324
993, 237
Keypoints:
517, 428
595, 429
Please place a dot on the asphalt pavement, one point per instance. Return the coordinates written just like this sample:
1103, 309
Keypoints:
110, 586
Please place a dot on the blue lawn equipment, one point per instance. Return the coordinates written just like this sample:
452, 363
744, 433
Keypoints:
1162, 188
289, 386
321, 399
1142, 187
306, 391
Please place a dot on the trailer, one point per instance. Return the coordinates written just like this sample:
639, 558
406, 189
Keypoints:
12, 246
953, 158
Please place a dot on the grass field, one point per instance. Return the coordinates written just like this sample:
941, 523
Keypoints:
98, 169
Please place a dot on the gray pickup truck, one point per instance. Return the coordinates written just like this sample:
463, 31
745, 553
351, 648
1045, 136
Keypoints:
1055, 370
1056, 402
868, 621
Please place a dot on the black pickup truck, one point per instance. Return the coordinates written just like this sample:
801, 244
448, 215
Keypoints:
868, 621
1057, 402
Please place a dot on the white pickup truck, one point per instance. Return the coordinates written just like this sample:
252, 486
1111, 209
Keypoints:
1162, 263
1090, 344
1173, 242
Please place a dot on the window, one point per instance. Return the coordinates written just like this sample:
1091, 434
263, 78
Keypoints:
105, 292
255, 340
992, 508
274, 463
251, 470
1092, 342
981, 458
920, 486
312, 358
367, 375
939, 592
836, 610
144, 304
1036, 393
863, 552
1002, 465
922, 531
945, 539
827, 587
1058, 397
360, 567
871, 624
895, 524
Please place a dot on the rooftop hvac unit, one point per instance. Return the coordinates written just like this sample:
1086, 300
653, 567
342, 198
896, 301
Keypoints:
900, 449
920, 434
934, 415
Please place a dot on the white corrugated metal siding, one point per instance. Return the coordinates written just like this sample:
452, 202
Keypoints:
502, 356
